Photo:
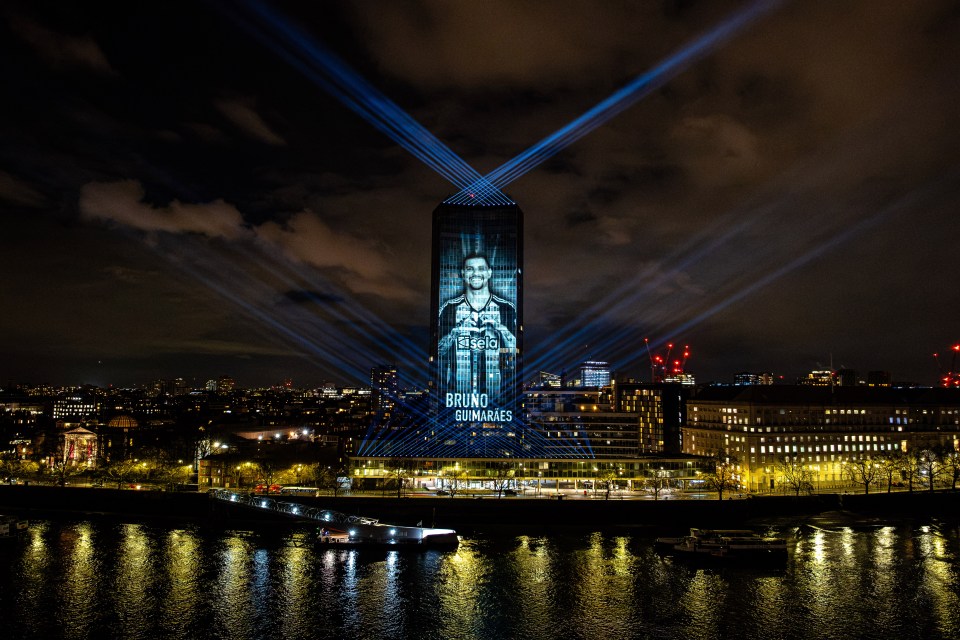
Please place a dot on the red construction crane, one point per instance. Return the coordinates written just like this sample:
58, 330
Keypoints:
661, 367
949, 378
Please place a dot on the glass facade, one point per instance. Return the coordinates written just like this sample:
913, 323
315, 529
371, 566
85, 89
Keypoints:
476, 322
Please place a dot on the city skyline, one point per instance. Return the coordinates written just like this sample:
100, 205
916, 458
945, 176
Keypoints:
179, 198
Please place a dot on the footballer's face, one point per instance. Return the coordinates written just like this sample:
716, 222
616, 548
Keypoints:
476, 273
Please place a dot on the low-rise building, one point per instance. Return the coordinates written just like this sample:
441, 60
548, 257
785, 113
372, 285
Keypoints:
820, 428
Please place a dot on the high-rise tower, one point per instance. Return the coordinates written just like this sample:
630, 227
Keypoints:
477, 325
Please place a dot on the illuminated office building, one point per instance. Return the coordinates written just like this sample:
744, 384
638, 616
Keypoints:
477, 327
477, 419
745, 378
594, 374
75, 404
384, 391
816, 427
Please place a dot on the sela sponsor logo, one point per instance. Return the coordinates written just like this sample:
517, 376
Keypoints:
477, 343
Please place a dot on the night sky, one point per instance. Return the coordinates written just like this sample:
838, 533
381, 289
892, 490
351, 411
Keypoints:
178, 200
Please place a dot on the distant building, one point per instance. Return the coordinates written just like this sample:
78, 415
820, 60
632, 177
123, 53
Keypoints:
818, 378
686, 379
659, 409
746, 378
819, 428
384, 392
545, 379
78, 447
847, 378
594, 373
119, 438
581, 422
226, 384
879, 379
75, 404
622, 420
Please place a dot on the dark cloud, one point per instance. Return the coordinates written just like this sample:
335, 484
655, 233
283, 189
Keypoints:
312, 297
60, 50
787, 197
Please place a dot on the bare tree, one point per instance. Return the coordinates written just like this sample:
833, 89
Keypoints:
794, 474
330, 479
862, 471
951, 467
62, 470
909, 467
155, 465
455, 480
21, 469
720, 473
265, 471
891, 464
654, 481
608, 481
9, 468
120, 471
930, 465
503, 475
398, 477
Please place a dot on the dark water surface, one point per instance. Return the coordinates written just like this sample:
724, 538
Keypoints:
94, 579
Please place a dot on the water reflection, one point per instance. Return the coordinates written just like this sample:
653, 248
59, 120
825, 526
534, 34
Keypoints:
102, 580
80, 567
181, 555
233, 592
939, 577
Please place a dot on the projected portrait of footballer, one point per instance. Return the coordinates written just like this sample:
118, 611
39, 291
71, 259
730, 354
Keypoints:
478, 343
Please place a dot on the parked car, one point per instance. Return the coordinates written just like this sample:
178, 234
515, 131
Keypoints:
442, 492
509, 492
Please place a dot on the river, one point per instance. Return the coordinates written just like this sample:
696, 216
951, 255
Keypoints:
105, 579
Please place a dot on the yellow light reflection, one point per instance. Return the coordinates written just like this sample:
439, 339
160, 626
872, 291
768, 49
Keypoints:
135, 576
704, 601
183, 598
80, 576
940, 579
460, 577
295, 563
234, 598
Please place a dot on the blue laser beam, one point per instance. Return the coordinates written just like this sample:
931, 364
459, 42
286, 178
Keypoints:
339, 80
910, 200
616, 103
319, 340
350, 312
829, 240
627, 294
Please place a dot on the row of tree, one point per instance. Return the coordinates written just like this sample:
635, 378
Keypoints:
925, 468
155, 467
921, 467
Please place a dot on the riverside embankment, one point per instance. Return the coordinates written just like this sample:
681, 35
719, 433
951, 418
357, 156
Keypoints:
489, 514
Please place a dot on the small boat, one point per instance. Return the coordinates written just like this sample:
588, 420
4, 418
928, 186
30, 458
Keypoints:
708, 544
11, 527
